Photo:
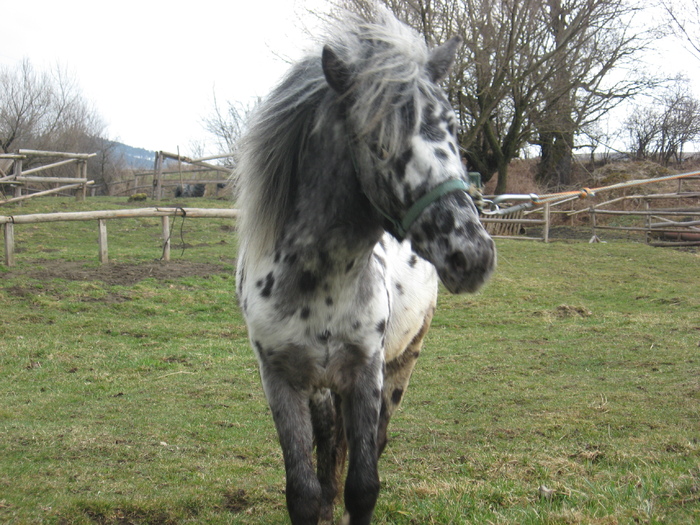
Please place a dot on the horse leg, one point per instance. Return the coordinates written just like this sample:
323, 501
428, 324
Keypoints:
397, 374
360, 407
324, 421
291, 414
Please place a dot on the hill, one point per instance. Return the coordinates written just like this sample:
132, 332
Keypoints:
135, 158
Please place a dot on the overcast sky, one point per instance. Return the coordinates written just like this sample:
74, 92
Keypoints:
151, 67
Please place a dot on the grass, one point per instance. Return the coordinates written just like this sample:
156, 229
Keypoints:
568, 391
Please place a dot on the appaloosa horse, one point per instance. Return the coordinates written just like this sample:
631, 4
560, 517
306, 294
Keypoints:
351, 197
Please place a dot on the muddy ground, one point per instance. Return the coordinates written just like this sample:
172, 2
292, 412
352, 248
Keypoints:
117, 273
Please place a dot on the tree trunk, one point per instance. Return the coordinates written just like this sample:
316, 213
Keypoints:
502, 183
556, 149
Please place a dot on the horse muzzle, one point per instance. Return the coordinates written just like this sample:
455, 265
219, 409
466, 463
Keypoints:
465, 271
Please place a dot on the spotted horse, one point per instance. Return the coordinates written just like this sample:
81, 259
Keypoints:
352, 205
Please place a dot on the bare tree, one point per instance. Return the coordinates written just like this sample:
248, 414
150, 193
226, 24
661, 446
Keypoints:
44, 110
684, 19
661, 131
530, 71
227, 124
643, 126
25, 99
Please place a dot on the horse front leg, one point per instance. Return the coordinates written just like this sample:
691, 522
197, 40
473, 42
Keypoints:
397, 374
329, 449
289, 403
360, 406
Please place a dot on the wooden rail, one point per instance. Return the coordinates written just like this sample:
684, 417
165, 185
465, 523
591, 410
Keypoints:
508, 226
665, 232
196, 166
20, 178
8, 222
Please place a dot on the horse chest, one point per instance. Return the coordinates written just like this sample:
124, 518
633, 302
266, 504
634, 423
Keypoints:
314, 310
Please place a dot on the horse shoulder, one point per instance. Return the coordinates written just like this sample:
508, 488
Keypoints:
412, 285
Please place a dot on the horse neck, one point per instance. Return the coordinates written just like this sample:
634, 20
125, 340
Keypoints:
332, 218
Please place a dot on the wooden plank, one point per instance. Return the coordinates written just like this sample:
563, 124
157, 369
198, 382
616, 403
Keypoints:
165, 228
215, 213
9, 230
104, 254
81, 194
675, 223
194, 162
57, 154
47, 192
648, 212
158, 174
214, 157
17, 173
49, 166
59, 180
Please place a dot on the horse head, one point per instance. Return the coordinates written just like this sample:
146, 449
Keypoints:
403, 141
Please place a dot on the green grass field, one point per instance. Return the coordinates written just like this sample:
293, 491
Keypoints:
568, 391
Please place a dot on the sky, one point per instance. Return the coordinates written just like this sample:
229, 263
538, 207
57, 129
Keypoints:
151, 67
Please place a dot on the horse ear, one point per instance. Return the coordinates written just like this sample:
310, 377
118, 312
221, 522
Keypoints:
442, 58
337, 73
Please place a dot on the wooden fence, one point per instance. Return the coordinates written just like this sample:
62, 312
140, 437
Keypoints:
8, 223
661, 226
511, 225
678, 226
21, 179
187, 171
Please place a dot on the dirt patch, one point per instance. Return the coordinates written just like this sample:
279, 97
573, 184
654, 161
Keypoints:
119, 274
236, 500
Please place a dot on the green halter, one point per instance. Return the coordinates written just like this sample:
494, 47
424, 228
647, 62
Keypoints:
402, 226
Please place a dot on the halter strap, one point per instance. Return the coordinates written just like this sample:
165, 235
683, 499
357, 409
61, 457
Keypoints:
402, 226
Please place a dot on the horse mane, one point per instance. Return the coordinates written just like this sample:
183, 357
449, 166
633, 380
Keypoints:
387, 60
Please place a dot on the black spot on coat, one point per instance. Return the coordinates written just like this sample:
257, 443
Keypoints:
307, 282
269, 283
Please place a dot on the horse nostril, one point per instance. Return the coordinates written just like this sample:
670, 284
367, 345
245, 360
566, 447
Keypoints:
457, 262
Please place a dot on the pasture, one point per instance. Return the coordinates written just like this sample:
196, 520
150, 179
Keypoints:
568, 391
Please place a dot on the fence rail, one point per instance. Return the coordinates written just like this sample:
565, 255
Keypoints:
508, 226
667, 231
8, 222
20, 179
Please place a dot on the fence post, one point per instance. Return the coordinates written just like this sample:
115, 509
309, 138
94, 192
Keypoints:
79, 195
83, 175
18, 173
102, 226
158, 174
647, 222
9, 229
545, 233
166, 237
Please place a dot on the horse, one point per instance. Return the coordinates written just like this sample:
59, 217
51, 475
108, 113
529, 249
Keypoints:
190, 190
352, 205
